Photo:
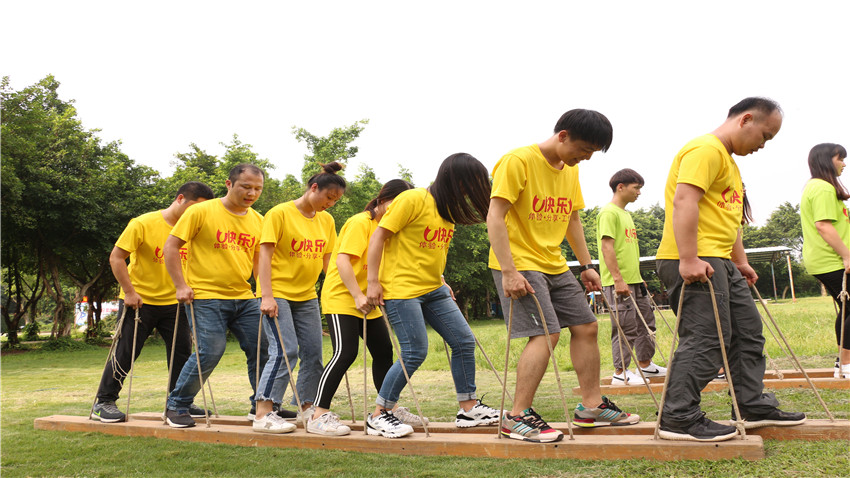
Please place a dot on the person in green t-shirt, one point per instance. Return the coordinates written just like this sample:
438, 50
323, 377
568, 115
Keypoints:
619, 265
826, 233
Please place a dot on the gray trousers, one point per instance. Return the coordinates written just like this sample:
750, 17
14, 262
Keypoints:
636, 334
698, 357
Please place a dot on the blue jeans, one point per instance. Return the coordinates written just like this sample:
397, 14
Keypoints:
301, 329
213, 317
408, 318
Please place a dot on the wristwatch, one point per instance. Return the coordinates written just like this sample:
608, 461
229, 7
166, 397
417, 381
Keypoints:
585, 267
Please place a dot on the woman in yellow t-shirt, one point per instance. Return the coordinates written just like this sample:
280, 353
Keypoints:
295, 246
407, 255
344, 305
826, 233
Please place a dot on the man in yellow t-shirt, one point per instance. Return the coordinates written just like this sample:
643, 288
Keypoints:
146, 287
223, 237
702, 242
533, 207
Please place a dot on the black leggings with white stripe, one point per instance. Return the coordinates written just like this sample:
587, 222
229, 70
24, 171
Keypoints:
346, 331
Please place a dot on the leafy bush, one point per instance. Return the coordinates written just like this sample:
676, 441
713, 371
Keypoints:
31, 331
65, 344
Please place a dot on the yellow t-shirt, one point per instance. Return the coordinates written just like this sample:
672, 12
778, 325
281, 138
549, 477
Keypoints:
144, 238
542, 198
300, 247
222, 246
415, 257
705, 163
353, 240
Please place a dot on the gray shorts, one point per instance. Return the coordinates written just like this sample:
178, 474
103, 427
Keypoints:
561, 298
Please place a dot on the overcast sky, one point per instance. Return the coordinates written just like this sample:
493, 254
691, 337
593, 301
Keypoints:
435, 78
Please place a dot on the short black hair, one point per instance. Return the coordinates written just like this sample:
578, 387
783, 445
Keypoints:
758, 103
194, 190
625, 176
233, 176
587, 125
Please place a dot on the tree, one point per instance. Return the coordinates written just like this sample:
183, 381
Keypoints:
467, 271
326, 149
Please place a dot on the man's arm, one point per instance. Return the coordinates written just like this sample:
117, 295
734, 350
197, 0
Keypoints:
118, 262
575, 236
610, 258
739, 258
513, 283
830, 235
685, 221
268, 305
174, 266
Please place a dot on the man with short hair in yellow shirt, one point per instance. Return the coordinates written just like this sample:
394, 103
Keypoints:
145, 286
534, 205
702, 242
223, 236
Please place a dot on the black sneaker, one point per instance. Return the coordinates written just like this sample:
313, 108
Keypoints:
179, 419
774, 418
701, 430
107, 412
281, 412
198, 412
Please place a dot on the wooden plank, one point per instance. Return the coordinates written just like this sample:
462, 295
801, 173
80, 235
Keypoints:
811, 430
441, 444
718, 385
768, 375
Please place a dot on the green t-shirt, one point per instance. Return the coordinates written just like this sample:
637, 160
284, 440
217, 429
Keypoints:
617, 224
820, 203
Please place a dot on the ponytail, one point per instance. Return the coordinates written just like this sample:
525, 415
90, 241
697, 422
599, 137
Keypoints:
387, 193
328, 177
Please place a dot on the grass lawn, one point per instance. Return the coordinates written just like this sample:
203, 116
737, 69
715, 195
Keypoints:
41, 383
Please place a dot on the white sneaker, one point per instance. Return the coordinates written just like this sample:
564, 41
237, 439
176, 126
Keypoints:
480, 414
272, 423
842, 372
387, 425
327, 424
404, 415
307, 414
654, 370
634, 379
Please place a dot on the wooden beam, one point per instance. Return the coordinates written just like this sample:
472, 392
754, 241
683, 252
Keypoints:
810, 430
440, 444
768, 375
718, 385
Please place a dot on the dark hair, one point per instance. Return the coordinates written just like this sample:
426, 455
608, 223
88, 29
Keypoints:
625, 176
237, 170
462, 190
821, 167
747, 213
587, 125
328, 177
758, 103
194, 190
388, 192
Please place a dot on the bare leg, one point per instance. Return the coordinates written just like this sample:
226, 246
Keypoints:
584, 352
263, 408
530, 369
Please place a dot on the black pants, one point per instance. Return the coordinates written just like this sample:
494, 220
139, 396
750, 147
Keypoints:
160, 317
832, 282
346, 331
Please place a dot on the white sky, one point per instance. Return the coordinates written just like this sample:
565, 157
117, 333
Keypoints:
438, 77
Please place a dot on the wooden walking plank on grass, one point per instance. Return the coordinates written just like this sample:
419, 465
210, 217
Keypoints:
441, 444
811, 430
768, 375
717, 385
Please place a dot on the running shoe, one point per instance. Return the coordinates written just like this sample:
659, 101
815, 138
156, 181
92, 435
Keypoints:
775, 417
529, 427
404, 415
629, 378
327, 424
272, 423
606, 414
387, 425
107, 412
179, 419
653, 370
480, 414
198, 412
701, 430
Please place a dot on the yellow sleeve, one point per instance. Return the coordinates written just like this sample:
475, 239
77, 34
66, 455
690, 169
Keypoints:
272, 226
509, 178
132, 237
189, 224
700, 167
404, 209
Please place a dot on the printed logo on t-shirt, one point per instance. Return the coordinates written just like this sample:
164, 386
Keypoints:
438, 238
730, 200
307, 248
844, 210
631, 234
551, 209
159, 255
235, 241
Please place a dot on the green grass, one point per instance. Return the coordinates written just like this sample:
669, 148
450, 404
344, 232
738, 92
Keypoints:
41, 383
